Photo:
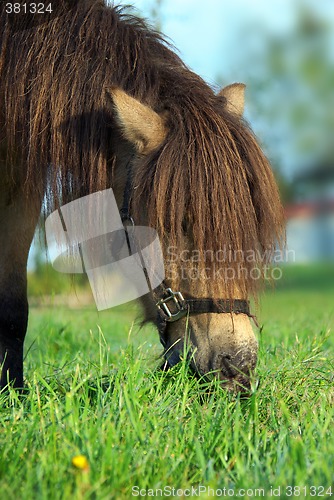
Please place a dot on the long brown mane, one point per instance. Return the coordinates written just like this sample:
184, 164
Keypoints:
209, 176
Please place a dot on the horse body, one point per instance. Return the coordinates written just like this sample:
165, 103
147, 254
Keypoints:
93, 92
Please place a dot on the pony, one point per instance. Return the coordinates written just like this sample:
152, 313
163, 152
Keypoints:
91, 98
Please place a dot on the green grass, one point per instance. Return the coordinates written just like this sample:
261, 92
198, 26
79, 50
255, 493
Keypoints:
96, 391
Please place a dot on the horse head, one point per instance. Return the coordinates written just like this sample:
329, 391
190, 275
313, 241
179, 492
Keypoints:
201, 189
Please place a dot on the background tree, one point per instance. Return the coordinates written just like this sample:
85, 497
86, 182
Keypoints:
291, 97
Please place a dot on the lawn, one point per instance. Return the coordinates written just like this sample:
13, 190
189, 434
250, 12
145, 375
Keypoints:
99, 420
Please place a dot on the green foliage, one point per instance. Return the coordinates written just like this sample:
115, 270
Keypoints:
44, 280
287, 188
290, 77
101, 395
301, 64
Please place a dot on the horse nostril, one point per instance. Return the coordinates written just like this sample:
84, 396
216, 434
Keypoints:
224, 363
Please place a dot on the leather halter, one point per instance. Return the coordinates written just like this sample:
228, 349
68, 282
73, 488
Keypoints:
172, 306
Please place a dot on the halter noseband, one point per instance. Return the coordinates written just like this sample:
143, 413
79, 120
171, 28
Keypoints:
174, 306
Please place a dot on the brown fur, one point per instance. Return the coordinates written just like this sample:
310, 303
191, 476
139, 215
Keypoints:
209, 177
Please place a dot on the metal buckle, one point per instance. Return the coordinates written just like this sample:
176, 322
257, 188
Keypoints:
178, 302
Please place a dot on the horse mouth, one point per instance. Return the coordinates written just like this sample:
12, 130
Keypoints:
239, 385
231, 378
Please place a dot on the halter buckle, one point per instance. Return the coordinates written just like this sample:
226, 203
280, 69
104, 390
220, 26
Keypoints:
179, 307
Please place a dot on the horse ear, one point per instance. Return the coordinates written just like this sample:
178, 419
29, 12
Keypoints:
235, 97
141, 125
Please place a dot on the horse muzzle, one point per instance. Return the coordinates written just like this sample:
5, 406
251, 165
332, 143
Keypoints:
220, 345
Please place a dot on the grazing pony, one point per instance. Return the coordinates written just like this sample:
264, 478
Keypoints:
92, 98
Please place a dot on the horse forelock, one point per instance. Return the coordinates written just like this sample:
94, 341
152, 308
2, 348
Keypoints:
212, 182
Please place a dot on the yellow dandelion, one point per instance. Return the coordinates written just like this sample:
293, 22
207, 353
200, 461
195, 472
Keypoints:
80, 462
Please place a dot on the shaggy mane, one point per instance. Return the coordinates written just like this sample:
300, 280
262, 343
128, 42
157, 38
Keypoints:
210, 176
